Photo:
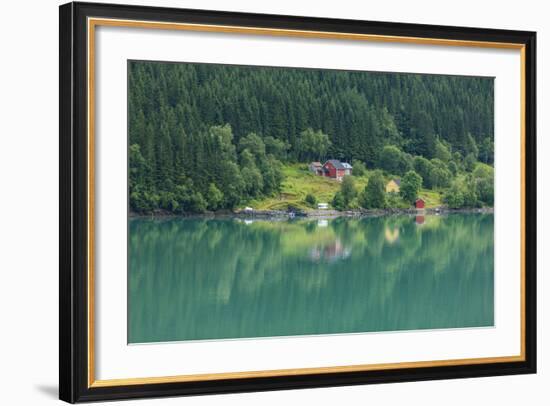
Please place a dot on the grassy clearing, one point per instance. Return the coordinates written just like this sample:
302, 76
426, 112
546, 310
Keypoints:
431, 197
299, 182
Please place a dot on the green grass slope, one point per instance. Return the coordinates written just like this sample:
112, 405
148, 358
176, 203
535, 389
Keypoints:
299, 182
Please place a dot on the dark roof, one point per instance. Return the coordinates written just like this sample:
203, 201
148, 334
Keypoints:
397, 181
336, 163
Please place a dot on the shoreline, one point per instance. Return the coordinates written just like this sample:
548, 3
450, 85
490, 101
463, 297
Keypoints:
316, 214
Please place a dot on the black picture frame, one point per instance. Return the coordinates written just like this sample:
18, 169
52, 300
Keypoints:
74, 199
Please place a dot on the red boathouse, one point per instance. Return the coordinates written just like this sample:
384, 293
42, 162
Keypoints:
420, 204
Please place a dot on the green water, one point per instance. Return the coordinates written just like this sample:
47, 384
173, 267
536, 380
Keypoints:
193, 279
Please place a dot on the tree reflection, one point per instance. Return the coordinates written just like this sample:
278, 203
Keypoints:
222, 278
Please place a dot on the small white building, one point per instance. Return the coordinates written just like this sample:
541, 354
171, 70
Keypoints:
322, 206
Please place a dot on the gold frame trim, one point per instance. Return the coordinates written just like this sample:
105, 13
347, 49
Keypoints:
94, 22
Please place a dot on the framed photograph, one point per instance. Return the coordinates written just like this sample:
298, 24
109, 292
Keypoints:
257, 202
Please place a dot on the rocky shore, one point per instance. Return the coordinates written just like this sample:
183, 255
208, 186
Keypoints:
357, 212
281, 214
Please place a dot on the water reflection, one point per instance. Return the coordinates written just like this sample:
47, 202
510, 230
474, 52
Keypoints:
224, 278
333, 251
391, 234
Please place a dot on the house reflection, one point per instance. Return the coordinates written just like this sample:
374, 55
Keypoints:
419, 220
391, 234
331, 252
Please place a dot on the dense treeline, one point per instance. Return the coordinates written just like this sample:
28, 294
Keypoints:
211, 136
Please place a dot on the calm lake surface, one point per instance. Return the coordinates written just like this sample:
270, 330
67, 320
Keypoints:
193, 279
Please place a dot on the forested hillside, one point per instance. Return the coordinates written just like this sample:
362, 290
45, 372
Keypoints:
214, 136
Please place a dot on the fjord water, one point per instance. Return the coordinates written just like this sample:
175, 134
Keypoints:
199, 278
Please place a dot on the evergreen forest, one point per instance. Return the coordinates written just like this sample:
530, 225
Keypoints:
205, 137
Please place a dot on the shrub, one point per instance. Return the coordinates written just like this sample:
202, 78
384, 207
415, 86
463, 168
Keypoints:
311, 200
338, 201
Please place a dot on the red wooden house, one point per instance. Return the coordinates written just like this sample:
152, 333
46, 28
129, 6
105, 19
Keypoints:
335, 169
